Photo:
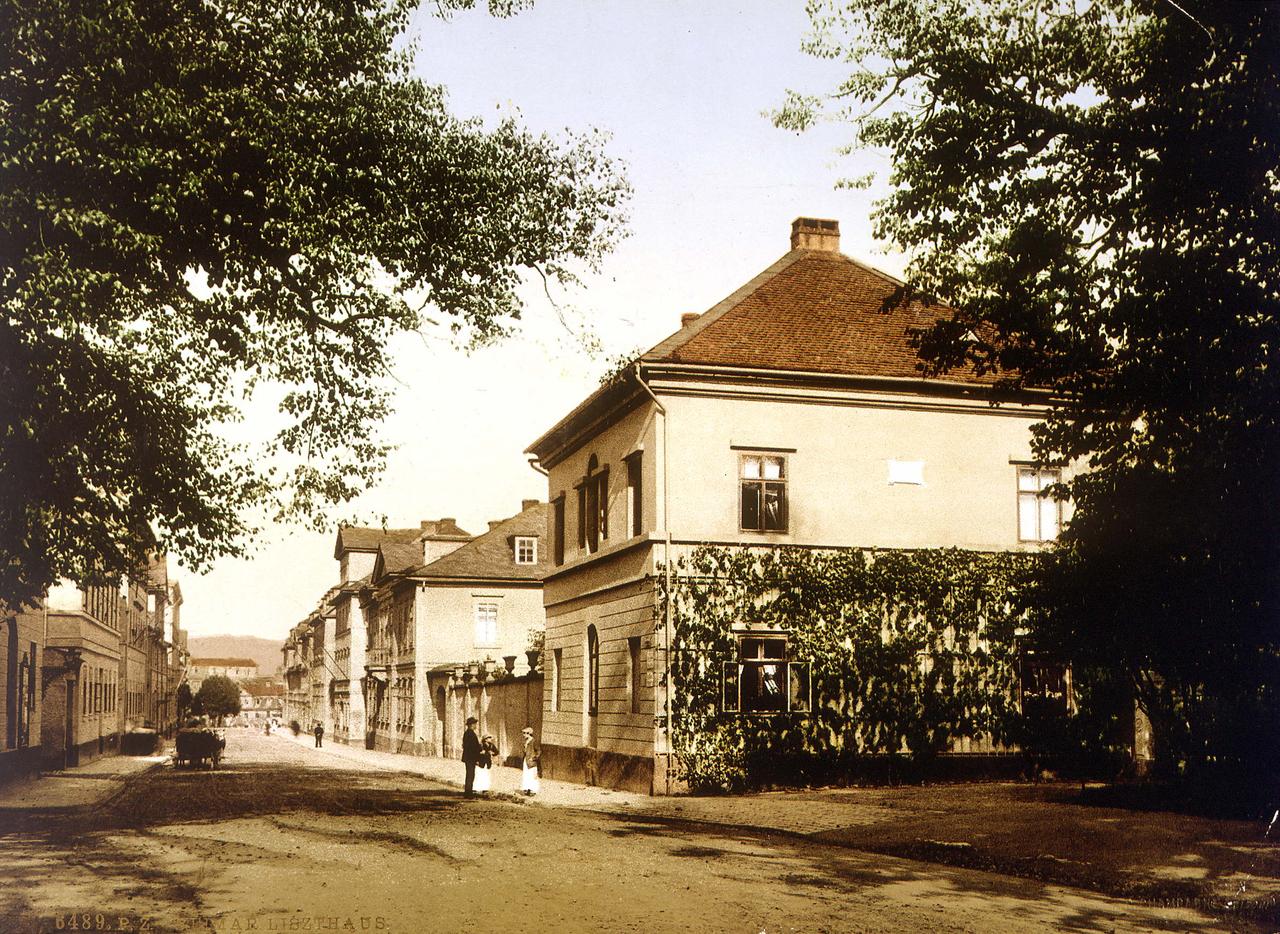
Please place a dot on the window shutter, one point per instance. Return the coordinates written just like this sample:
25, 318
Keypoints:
730, 680
799, 693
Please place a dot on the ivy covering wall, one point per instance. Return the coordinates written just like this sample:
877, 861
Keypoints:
907, 651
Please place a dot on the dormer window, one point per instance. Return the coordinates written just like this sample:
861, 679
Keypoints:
526, 549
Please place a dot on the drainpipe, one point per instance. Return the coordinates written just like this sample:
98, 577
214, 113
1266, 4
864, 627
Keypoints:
533, 462
666, 570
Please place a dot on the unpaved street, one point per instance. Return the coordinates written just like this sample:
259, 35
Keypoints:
280, 839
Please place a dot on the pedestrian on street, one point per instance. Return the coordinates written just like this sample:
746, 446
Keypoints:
532, 758
484, 767
470, 756
319, 731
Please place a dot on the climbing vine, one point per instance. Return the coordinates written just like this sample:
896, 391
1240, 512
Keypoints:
906, 652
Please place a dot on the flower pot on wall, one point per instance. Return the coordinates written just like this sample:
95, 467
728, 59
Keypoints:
510, 662
532, 655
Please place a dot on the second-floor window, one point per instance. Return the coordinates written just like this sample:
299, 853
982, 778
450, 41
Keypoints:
635, 493
593, 506
1039, 516
763, 492
557, 530
486, 625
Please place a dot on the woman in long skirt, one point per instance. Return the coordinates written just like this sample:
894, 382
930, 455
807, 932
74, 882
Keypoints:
532, 755
484, 765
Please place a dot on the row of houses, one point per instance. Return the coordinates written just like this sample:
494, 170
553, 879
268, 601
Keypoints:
792, 413
87, 667
419, 631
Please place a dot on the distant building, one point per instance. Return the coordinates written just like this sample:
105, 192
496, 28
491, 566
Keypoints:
261, 699
234, 668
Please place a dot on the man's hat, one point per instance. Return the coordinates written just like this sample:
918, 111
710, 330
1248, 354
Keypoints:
470, 720
528, 730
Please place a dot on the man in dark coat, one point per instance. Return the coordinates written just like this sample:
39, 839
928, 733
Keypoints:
470, 755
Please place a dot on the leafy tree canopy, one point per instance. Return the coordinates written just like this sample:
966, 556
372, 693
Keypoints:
1095, 187
218, 696
203, 199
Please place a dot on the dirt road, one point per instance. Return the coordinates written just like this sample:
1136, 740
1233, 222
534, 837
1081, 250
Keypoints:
282, 840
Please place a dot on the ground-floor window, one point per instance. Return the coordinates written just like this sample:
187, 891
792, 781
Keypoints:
1044, 686
765, 679
593, 671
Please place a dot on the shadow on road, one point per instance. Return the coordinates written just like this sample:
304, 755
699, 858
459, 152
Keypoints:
838, 871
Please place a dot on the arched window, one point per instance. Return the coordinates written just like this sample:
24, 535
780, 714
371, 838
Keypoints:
593, 506
593, 671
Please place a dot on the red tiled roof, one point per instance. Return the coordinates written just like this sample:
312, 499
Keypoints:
491, 556
262, 687
813, 311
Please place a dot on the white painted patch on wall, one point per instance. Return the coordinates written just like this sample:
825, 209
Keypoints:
906, 472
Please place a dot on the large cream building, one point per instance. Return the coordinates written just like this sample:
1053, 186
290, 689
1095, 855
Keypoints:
793, 412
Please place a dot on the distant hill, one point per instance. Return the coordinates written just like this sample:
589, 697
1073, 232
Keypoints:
266, 652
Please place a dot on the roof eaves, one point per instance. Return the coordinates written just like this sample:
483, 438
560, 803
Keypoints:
923, 385
620, 393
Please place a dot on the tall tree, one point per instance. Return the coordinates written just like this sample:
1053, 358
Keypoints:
218, 697
1094, 186
203, 199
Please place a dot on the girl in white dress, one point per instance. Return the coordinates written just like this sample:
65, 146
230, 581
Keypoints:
484, 765
532, 754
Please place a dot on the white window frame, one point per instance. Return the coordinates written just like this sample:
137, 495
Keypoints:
1035, 509
486, 623
527, 540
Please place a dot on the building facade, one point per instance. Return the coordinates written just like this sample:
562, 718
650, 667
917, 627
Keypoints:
356, 550
437, 616
22, 670
791, 413
237, 669
86, 698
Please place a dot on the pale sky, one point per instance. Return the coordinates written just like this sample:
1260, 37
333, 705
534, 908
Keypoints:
682, 87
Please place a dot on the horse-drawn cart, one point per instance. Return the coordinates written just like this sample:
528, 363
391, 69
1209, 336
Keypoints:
196, 746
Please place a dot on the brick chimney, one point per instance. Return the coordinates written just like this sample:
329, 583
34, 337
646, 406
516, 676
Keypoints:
528, 504
812, 233
494, 523
688, 318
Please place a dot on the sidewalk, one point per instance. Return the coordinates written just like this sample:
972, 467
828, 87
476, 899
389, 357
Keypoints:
506, 780
81, 786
